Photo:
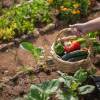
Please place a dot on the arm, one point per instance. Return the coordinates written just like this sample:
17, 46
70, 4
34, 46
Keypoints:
92, 25
89, 26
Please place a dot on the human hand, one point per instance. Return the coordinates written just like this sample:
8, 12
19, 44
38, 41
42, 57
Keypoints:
78, 29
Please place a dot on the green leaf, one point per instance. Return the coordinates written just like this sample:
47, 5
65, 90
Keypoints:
81, 75
28, 97
36, 92
35, 51
43, 90
27, 46
86, 89
92, 34
74, 86
66, 79
66, 96
50, 86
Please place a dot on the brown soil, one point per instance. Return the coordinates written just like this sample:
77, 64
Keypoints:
15, 58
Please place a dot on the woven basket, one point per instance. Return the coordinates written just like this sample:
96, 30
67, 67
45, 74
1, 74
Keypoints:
66, 66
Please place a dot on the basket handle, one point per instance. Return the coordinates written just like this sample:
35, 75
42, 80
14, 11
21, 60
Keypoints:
87, 39
65, 30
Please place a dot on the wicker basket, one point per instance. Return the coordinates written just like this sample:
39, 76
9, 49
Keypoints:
66, 66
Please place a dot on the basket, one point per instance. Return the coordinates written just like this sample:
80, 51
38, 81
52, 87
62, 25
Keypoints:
66, 66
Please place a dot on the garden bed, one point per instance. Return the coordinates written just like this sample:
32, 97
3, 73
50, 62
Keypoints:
13, 63
17, 73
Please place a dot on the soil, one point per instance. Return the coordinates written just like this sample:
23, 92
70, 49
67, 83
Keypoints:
10, 63
14, 59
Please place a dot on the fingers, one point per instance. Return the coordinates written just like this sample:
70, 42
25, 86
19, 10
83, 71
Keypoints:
79, 33
76, 29
73, 31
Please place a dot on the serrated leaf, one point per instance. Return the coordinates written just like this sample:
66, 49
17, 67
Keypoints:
86, 89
